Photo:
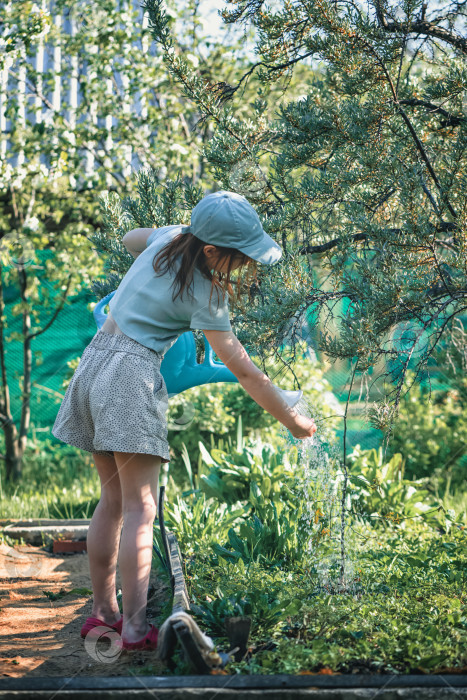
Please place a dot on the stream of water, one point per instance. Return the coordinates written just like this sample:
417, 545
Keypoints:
325, 499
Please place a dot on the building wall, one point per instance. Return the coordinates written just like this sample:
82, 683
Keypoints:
64, 94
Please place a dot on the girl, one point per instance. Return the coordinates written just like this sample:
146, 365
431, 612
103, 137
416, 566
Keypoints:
115, 405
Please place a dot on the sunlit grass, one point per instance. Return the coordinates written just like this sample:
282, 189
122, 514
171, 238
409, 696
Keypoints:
57, 482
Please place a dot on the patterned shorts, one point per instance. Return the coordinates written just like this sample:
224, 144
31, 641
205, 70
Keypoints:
116, 400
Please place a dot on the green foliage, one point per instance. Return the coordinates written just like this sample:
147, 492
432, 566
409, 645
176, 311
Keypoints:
255, 473
245, 506
408, 614
199, 522
431, 432
409, 618
56, 483
381, 494
451, 358
266, 608
160, 132
270, 536
381, 491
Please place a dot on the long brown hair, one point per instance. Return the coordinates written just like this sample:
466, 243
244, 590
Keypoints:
189, 249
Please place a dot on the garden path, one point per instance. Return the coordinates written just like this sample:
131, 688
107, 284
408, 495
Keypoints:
40, 636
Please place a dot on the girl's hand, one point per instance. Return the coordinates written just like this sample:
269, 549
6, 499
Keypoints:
303, 427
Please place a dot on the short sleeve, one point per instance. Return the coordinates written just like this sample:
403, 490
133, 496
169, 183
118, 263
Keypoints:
215, 318
152, 236
161, 231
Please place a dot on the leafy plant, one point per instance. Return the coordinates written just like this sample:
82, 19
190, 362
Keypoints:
252, 471
380, 490
199, 521
260, 482
266, 609
272, 538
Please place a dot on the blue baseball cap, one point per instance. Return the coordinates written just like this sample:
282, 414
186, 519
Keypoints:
227, 219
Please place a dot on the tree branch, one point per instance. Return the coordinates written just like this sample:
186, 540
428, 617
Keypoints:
410, 126
225, 91
56, 312
443, 226
423, 27
452, 119
312, 249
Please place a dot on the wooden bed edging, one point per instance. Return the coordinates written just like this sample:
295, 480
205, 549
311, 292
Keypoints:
181, 600
274, 687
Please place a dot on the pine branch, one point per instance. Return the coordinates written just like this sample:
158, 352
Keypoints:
442, 227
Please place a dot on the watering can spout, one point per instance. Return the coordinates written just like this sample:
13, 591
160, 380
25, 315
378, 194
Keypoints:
291, 397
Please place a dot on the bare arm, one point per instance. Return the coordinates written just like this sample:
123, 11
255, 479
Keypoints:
135, 241
232, 353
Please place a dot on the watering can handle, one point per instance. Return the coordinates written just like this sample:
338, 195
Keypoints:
98, 311
179, 368
209, 360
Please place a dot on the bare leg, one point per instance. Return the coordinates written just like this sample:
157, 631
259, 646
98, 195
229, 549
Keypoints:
139, 475
103, 540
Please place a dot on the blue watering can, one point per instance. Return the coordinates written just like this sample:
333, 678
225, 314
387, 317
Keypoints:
179, 367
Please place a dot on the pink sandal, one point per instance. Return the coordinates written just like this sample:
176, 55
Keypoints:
93, 622
147, 642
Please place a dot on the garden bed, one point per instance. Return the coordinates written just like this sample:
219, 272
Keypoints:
244, 538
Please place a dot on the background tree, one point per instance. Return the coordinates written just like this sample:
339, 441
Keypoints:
362, 180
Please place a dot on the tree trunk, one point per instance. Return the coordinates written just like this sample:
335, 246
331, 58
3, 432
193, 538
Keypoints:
15, 442
27, 365
13, 455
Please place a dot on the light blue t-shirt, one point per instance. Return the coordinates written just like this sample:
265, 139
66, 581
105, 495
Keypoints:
143, 308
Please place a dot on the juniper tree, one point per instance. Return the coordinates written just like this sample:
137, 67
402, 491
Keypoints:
362, 180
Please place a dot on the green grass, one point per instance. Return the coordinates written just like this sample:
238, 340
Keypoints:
56, 483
